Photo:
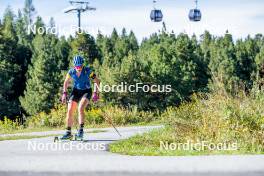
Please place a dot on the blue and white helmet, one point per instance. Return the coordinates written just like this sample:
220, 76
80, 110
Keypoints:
78, 60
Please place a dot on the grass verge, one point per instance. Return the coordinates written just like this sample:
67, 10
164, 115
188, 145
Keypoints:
95, 117
102, 125
25, 137
155, 143
17, 137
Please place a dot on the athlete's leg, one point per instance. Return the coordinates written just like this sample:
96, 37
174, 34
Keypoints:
82, 105
72, 105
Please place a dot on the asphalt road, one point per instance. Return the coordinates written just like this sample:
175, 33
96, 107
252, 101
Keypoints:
41, 157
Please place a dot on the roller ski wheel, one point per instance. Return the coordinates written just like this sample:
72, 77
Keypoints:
56, 139
65, 137
78, 138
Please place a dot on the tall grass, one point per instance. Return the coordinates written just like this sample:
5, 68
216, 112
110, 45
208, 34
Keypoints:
96, 116
7, 125
93, 116
217, 117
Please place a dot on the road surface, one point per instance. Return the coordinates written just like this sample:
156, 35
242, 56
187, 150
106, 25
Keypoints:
40, 157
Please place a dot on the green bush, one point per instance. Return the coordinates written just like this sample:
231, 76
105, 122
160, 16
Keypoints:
8, 125
118, 115
56, 118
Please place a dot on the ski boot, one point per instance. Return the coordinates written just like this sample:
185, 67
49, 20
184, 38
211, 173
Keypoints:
79, 135
67, 136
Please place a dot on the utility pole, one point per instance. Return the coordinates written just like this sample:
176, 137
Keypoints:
79, 7
79, 19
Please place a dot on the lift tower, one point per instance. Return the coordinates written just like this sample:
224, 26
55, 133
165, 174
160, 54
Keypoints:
79, 7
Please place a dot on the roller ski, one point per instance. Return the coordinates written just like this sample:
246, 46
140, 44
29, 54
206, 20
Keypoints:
66, 137
69, 137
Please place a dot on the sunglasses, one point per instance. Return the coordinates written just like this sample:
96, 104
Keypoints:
78, 67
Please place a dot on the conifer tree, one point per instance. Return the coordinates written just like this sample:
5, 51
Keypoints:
44, 78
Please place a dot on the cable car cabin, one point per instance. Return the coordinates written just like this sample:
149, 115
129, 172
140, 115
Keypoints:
195, 15
156, 15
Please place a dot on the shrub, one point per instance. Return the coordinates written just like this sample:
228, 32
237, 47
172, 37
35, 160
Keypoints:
56, 118
118, 115
8, 125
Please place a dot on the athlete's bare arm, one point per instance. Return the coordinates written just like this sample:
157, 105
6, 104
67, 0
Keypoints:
66, 82
65, 87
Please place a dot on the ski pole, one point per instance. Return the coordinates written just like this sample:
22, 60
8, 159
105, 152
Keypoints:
114, 128
108, 120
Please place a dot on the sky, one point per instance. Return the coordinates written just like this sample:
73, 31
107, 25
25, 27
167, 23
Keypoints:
239, 17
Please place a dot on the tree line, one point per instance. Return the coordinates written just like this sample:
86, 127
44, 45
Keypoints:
33, 66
